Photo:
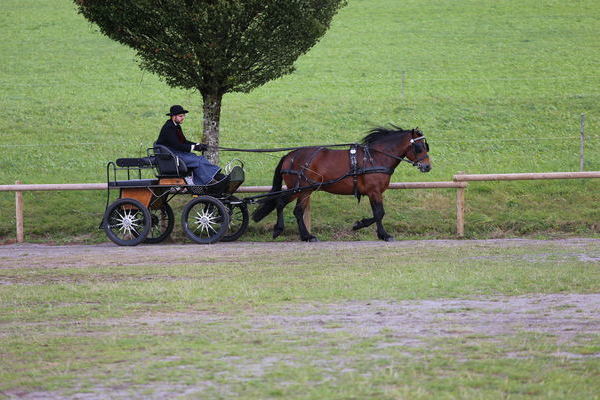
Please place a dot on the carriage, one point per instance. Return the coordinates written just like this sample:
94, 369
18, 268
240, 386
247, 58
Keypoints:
142, 213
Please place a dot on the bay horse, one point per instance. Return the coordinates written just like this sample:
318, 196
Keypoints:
364, 169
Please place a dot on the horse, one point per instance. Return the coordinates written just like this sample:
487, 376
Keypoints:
364, 169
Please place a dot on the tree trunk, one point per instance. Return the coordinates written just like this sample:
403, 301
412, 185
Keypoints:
212, 119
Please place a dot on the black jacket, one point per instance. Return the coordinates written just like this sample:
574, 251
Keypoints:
171, 135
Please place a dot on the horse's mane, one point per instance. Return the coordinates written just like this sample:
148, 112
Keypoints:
381, 133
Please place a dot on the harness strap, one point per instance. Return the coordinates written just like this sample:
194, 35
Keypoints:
353, 170
290, 172
376, 170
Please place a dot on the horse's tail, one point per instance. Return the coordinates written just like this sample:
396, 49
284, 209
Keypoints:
270, 203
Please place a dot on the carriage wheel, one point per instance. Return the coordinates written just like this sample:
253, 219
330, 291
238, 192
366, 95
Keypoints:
163, 221
127, 222
238, 219
205, 220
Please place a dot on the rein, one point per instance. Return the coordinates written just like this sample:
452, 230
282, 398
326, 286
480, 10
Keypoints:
278, 149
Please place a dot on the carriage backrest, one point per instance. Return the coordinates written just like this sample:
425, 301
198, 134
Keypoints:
167, 164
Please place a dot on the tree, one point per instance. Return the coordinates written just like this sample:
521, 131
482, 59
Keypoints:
214, 46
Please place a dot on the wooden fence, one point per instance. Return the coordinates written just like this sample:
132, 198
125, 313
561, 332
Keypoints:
465, 178
459, 182
19, 188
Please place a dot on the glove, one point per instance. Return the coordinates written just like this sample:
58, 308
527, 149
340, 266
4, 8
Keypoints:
200, 147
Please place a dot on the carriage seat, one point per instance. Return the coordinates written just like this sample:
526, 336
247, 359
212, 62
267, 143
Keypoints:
145, 162
135, 164
167, 164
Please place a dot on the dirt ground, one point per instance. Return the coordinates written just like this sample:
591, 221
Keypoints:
563, 315
14, 254
569, 319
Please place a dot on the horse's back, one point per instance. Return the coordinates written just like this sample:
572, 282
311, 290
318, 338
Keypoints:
312, 165
319, 160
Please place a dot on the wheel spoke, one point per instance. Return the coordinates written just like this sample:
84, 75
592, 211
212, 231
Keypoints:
127, 223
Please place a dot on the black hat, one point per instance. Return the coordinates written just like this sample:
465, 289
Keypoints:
176, 110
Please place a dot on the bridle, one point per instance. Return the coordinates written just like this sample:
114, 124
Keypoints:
413, 142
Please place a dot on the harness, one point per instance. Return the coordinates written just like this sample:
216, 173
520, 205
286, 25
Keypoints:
354, 170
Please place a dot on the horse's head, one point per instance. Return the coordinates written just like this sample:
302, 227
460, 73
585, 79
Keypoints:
398, 145
418, 151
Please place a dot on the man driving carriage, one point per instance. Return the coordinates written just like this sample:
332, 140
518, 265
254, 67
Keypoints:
171, 136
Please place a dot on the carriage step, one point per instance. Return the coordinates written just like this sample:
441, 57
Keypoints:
134, 183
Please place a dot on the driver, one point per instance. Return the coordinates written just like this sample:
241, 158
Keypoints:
171, 136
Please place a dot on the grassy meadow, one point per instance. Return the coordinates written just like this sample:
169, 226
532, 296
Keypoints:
496, 86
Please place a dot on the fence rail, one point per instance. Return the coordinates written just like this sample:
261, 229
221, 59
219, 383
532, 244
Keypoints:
525, 176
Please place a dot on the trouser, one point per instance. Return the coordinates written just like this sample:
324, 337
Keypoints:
202, 170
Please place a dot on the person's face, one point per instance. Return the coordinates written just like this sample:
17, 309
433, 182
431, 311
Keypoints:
178, 118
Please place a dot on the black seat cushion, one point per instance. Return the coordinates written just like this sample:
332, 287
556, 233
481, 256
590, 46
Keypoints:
145, 162
168, 165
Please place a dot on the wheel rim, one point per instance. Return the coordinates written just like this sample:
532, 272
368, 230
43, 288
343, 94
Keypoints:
127, 222
238, 221
205, 220
162, 224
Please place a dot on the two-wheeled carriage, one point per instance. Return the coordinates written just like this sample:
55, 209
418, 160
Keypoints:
142, 212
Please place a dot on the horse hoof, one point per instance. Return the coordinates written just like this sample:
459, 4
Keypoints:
389, 239
277, 232
311, 239
357, 226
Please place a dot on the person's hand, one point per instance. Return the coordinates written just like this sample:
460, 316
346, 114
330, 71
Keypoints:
200, 147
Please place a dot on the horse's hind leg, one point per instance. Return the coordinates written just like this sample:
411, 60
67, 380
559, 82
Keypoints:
299, 214
279, 225
363, 223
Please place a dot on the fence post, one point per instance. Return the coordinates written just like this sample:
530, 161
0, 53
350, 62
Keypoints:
581, 142
19, 214
460, 211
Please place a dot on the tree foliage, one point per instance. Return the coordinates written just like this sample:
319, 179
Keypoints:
214, 46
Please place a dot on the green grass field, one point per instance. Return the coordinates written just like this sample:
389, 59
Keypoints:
496, 87
422, 320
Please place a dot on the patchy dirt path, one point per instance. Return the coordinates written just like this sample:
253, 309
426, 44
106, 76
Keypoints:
564, 323
14, 255
567, 317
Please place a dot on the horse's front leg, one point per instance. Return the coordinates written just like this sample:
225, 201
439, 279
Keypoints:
299, 214
378, 213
